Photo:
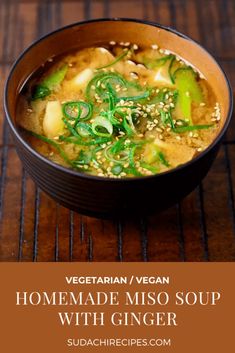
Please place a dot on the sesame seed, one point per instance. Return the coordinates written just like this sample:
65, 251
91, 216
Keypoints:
112, 42
141, 66
154, 46
134, 75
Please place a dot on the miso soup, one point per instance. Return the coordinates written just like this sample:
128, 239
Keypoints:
118, 111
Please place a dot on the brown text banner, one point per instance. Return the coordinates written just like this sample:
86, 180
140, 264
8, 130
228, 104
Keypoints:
111, 307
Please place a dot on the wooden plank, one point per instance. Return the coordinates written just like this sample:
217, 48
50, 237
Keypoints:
9, 226
219, 221
28, 220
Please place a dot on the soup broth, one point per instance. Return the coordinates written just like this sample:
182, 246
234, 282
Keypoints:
118, 111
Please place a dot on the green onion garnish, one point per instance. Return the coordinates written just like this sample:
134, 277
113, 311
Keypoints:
182, 129
120, 57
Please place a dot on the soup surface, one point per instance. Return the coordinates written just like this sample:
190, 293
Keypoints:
118, 111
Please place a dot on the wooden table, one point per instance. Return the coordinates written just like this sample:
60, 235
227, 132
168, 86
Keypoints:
199, 228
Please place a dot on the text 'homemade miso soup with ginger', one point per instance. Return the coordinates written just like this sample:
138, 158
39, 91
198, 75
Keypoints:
118, 111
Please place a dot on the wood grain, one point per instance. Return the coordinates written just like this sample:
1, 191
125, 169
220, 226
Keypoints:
199, 228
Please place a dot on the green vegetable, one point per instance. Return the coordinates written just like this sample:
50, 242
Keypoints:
188, 91
163, 159
120, 57
182, 129
131, 156
80, 141
53, 144
83, 158
117, 169
135, 98
118, 146
102, 79
149, 167
169, 119
102, 126
133, 171
49, 83
153, 154
170, 69
84, 130
112, 157
70, 128
77, 110
40, 92
128, 126
158, 62
55, 79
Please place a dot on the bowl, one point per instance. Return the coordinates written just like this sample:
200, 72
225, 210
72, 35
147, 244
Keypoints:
100, 196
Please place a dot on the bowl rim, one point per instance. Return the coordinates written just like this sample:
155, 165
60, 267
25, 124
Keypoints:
83, 175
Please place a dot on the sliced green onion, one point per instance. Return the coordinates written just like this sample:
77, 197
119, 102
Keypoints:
163, 117
70, 128
170, 119
118, 146
131, 156
87, 110
102, 78
71, 110
182, 129
134, 98
171, 75
149, 167
134, 171
77, 110
79, 141
83, 158
111, 156
104, 124
158, 62
52, 143
120, 57
163, 159
84, 129
127, 124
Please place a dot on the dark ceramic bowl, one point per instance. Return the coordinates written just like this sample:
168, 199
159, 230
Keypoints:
105, 197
